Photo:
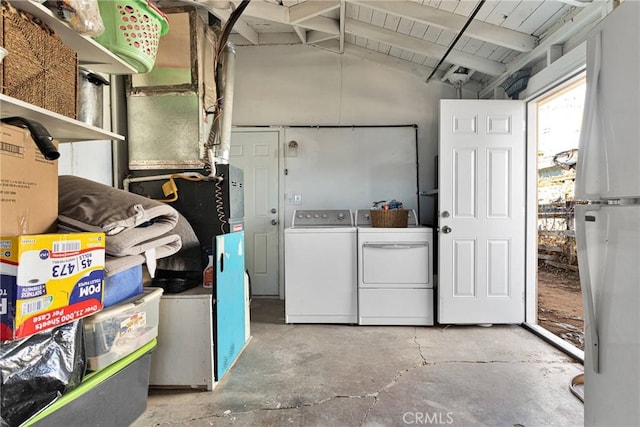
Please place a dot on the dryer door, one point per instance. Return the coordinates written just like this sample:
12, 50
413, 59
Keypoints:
395, 260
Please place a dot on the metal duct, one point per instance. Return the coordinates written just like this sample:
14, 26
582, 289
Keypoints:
226, 82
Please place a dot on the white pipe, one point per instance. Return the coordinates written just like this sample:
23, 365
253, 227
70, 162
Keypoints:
228, 77
458, 88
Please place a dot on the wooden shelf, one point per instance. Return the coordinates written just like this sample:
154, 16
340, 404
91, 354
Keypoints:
91, 54
61, 128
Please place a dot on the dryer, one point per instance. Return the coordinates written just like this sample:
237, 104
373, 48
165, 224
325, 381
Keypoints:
395, 273
320, 267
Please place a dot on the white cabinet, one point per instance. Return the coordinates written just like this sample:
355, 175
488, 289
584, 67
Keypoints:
184, 357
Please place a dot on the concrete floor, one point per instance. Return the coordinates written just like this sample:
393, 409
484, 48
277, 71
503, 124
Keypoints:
326, 375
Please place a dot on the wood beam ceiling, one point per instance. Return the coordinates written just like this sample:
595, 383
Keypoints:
423, 47
587, 17
307, 15
453, 22
302, 34
318, 36
241, 27
308, 22
303, 11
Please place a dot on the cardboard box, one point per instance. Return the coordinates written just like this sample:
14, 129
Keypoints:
28, 185
48, 280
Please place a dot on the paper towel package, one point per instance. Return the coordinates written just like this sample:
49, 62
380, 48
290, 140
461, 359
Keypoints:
47, 280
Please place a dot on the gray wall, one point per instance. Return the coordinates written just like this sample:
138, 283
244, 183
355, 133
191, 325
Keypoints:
301, 85
350, 167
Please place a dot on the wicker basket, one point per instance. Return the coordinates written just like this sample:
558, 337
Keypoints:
39, 68
395, 218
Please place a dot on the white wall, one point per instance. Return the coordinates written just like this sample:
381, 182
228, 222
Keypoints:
90, 159
365, 164
302, 85
87, 159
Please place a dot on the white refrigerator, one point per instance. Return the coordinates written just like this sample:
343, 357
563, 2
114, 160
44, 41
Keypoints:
608, 221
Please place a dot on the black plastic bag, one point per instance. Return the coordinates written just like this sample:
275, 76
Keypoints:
36, 370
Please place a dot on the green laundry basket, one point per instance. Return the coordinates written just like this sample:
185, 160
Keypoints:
132, 31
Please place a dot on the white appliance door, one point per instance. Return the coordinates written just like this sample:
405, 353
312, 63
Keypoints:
609, 240
609, 142
608, 237
481, 208
396, 263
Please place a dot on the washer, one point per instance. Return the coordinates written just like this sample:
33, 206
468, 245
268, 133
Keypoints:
320, 267
395, 273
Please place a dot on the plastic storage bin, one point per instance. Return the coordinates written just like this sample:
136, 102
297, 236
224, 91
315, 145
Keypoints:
122, 286
116, 396
132, 31
122, 329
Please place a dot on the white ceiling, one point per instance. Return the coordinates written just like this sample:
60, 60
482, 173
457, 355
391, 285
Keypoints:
504, 36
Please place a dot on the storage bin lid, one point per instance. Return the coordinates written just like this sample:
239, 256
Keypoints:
148, 295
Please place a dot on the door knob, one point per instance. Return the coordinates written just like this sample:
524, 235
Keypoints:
446, 229
273, 210
274, 222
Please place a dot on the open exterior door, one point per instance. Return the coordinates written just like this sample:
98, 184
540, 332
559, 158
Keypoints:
481, 212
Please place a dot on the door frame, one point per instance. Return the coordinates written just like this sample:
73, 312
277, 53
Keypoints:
531, 212
281, 174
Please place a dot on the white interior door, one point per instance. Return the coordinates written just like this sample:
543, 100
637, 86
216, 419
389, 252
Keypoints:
481, 212
256, 153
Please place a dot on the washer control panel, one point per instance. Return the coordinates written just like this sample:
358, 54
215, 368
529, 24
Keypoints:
322, 218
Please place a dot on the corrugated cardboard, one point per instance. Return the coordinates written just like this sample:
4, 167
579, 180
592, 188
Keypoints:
28, 185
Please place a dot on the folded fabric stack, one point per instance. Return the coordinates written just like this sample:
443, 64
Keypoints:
138, 229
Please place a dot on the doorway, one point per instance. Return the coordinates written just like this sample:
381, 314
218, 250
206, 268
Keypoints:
558, 298
256, 152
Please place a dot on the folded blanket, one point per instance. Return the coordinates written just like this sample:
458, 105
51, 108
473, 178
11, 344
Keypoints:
190, 257
132, 223
114, 265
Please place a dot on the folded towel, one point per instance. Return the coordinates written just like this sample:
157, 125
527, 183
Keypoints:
132, 223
